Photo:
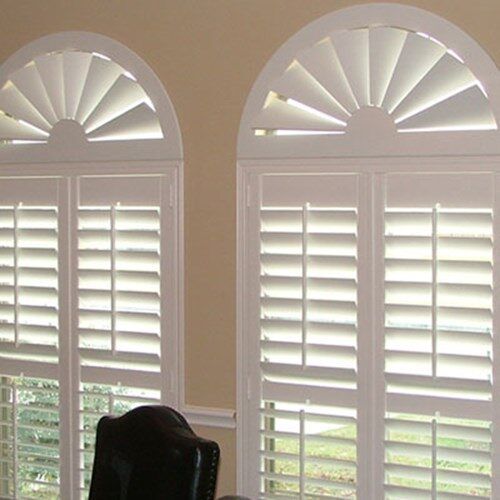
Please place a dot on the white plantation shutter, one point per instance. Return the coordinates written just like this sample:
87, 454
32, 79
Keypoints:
119, 282
87, 87
29, 337
308, 336
120, 299
419, 82
102, 248
438, 335
370, 324
89, 255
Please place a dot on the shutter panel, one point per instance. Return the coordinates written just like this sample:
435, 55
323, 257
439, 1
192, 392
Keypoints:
438, 336
119, 300
29, 338
308, 339
119, 280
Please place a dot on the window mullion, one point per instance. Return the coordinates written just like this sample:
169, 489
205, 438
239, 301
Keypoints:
366, 383
378, 358
66, 387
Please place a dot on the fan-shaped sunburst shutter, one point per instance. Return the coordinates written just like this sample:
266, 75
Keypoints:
420, 83
89, 88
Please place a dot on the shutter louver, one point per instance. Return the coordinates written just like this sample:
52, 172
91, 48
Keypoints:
308, 342
421, 84
29, 287
438, 340
89, 88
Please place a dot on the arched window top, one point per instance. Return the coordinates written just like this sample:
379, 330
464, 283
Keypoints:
387, 74
87, 96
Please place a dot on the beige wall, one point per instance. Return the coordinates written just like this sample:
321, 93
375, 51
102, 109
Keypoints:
207, 54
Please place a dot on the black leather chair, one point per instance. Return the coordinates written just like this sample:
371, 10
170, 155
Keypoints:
151, 453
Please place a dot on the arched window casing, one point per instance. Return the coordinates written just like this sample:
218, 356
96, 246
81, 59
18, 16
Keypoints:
90, 176
368, 224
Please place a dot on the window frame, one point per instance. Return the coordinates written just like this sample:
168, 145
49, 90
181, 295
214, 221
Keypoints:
368, 154
67, 160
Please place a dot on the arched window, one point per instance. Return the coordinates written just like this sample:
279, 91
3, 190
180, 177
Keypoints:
368, 214
90, 166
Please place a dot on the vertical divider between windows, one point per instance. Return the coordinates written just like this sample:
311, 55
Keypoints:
65, 338
495, 458
377, 360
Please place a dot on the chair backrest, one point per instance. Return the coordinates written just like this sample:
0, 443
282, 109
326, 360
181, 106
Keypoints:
152, 453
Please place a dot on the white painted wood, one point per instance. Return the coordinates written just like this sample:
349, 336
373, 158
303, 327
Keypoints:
321, 61
209, 417
139, 122
426, 190
130, 191
446, 78
365, 354
467, 110
298, 84
353, 53
385, 50
66, 348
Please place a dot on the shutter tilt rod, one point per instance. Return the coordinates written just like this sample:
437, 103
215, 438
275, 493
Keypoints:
434, 455
113, 280
16, 275
302, 475
435, 215
14, 439
305, 222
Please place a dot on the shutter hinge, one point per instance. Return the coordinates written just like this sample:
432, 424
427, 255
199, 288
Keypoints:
248, 196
